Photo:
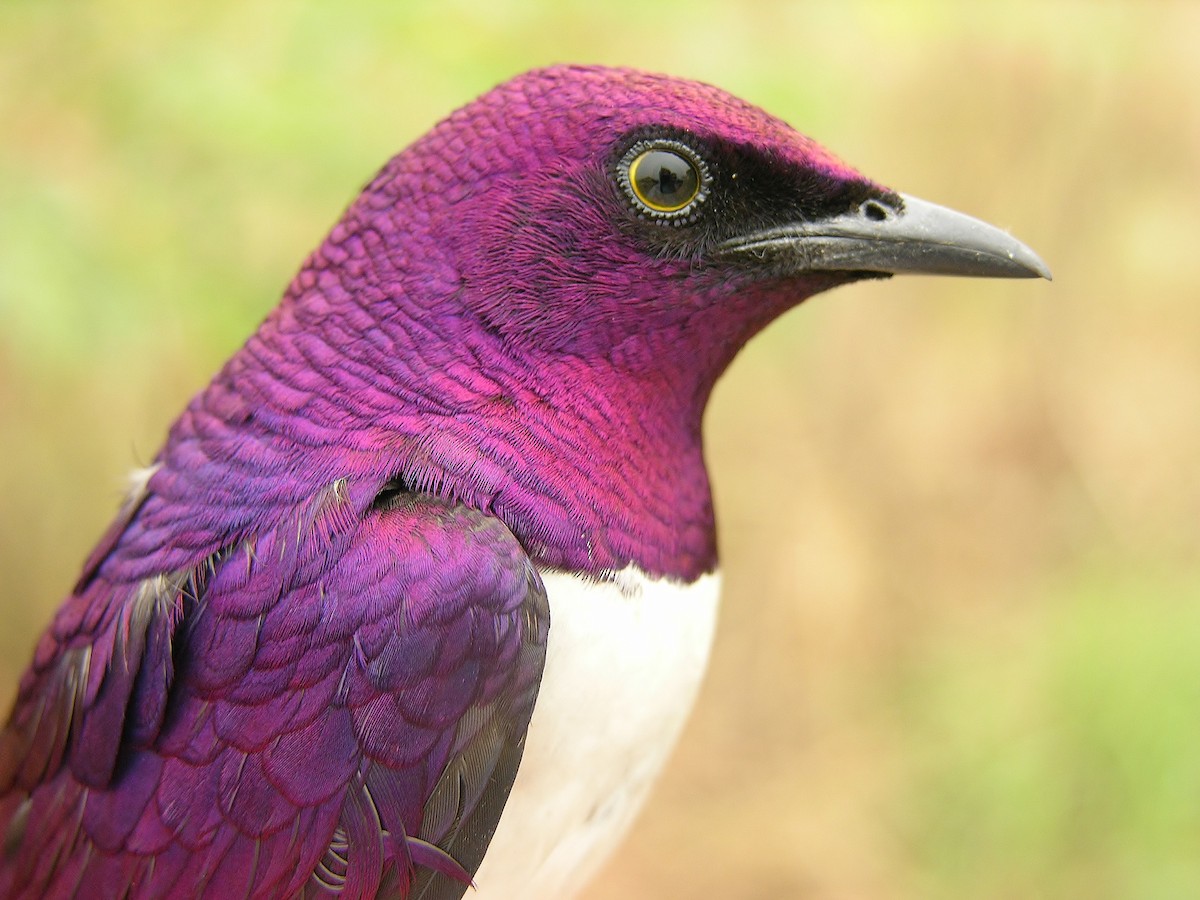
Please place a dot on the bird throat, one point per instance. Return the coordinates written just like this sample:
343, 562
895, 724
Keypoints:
593, 471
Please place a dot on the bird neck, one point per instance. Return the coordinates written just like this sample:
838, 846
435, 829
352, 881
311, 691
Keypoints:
595, 464
591, 466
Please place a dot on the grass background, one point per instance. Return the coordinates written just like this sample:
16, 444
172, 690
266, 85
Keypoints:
959, 648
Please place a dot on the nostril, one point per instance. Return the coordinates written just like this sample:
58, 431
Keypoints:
874, 210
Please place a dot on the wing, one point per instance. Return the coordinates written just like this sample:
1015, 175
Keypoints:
337, 704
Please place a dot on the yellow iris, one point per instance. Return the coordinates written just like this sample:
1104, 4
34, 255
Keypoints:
663, 180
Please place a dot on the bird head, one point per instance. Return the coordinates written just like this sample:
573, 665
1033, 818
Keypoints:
614, 214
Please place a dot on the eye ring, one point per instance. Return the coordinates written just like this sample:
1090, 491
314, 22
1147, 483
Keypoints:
666, 180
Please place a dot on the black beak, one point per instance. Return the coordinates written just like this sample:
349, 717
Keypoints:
883, 236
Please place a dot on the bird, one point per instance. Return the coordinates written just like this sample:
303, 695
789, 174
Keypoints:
418, 592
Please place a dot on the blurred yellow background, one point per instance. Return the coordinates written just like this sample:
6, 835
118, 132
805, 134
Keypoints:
960, 645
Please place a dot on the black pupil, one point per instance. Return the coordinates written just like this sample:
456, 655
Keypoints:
666, 179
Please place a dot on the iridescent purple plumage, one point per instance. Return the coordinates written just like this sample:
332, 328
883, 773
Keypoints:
346, 677
304, 657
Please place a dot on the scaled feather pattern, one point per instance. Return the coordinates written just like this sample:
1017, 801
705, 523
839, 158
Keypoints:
304, 658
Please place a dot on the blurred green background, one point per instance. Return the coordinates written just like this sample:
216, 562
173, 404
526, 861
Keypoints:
960, 648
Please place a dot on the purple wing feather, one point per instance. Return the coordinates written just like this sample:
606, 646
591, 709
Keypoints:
337, 703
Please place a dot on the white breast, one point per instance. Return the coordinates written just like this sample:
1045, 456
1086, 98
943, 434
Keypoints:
624, 662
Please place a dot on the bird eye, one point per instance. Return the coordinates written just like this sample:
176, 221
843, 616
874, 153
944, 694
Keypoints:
663, 180
666, 180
